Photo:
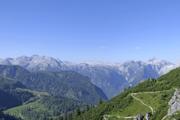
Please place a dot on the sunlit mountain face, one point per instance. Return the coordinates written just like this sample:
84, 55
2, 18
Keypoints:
111, 78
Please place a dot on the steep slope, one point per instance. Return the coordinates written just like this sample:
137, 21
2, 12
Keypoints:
105, 77
7, 117
19, 101
114, 78
111, 78
149, 98
45, 107
138, 71
9, 94
65, 83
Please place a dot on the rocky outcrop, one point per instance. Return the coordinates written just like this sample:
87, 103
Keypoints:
148, 115
142, 117
112, 78
174, 103
139, 117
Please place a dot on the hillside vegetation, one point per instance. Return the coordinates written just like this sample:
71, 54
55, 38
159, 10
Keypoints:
19, 102
45, 108
151, 96
26, 104
63, 84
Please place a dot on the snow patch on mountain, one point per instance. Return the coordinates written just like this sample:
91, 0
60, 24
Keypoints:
110, 77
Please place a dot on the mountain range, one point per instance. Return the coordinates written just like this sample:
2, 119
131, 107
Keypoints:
44, 95
111, 78
67, 84
153, 99
45, 88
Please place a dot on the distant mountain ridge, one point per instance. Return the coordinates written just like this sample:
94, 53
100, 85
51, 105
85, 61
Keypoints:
67, 84
154, 99
111, 78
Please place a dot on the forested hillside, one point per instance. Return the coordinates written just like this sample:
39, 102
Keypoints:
45, 95
64, 84
150, 98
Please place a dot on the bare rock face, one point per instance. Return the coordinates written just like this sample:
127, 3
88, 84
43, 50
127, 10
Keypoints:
174, 103
112, 78
148, 115
139, 117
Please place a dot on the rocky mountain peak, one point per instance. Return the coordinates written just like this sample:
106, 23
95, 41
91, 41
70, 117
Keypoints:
111, 78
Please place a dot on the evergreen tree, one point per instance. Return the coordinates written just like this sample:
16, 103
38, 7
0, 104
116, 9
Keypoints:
78, 112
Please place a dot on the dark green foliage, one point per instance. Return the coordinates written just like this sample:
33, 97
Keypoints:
7, 100
87, 107
60, 105
34, 115
72, 91
100, 101
78, 112
166, 82
9, 95
104, 108
7, 117
22, 96
7, 84
46, 108
66, 83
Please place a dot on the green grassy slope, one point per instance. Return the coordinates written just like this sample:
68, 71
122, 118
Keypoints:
30, 104
18, 101
29, 111
43, 107
176, 116
156, 99
153, 93
132, 109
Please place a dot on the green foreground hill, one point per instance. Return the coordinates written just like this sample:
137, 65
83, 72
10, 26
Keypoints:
44, 95
45, 108
151, 96
19, 102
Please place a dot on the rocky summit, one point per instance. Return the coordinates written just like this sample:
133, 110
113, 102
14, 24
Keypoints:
111, 78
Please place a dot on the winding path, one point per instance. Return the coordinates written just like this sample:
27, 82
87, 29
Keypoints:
132, 94
105, 117
164, 117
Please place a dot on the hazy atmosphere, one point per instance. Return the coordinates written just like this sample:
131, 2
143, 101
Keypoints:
81, 30
89, 60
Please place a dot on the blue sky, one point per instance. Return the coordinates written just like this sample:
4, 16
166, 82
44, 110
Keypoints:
77, 30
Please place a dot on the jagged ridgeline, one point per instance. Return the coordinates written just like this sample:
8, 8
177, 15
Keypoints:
154, 99
111, 78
